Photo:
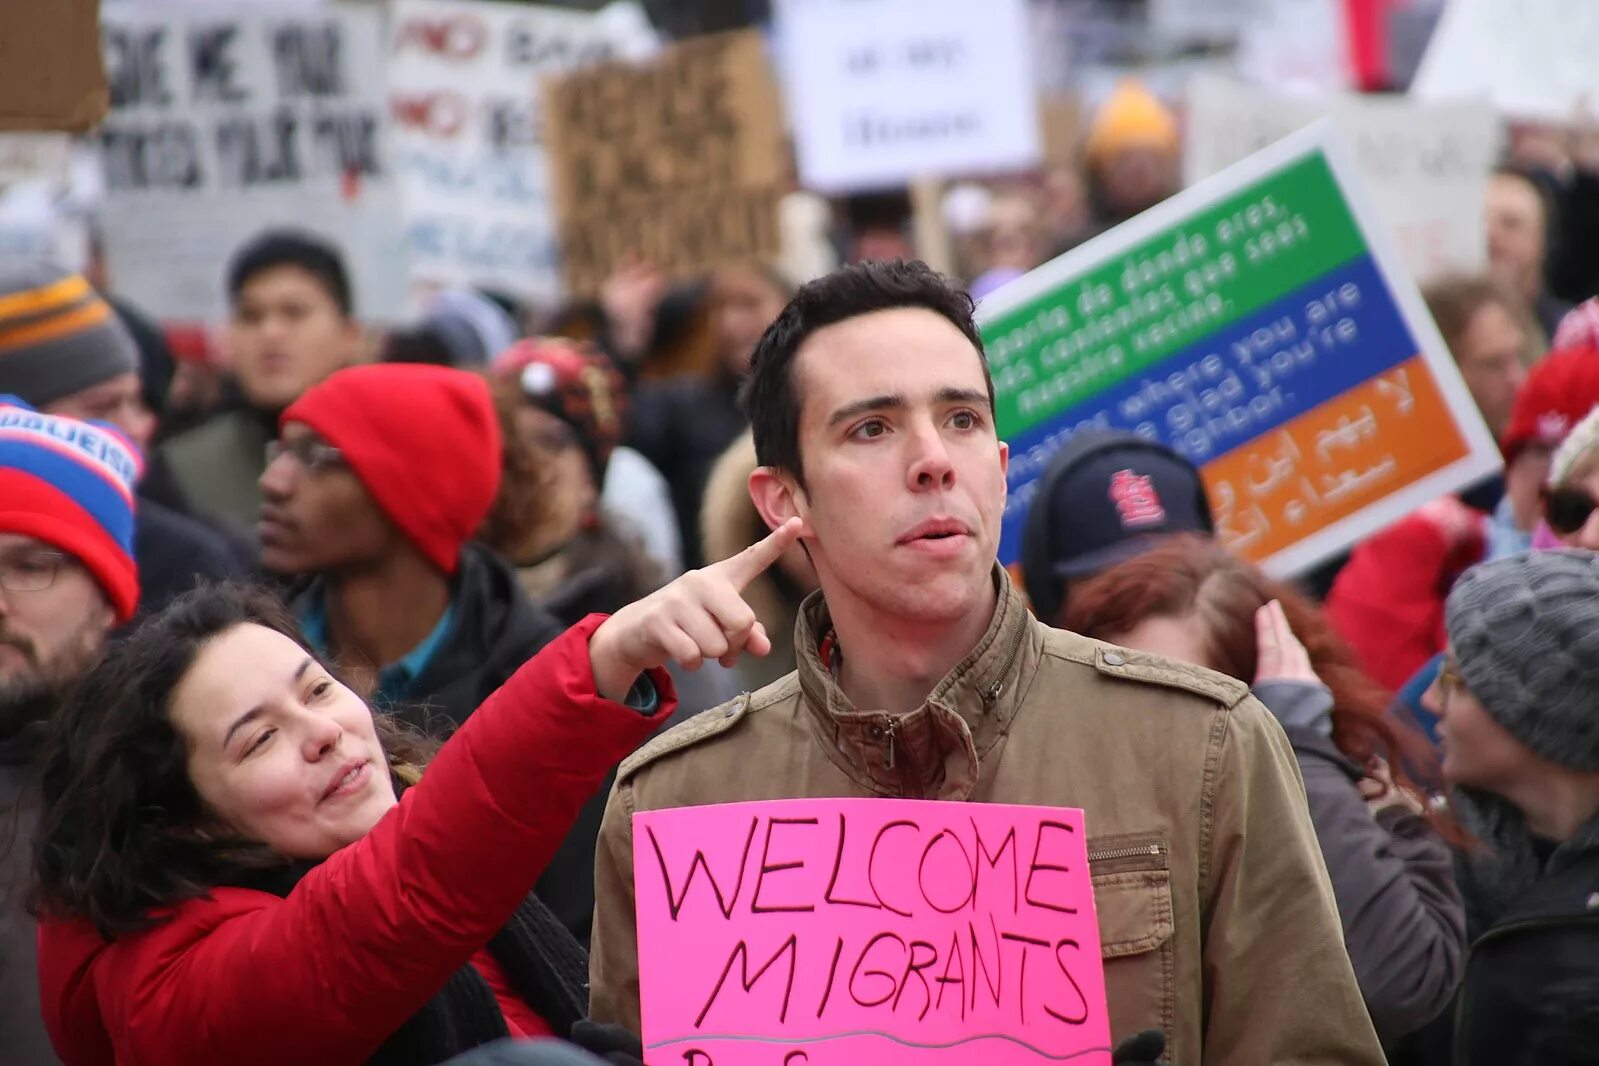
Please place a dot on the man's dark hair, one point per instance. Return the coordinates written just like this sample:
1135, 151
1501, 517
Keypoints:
279, 248
770, 396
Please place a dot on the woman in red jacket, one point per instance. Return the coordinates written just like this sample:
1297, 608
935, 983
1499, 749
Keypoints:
241, 863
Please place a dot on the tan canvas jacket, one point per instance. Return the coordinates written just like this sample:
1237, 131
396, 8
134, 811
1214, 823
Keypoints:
1217, 919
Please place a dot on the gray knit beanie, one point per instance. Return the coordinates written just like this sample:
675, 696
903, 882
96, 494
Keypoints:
1524, 632
57, 336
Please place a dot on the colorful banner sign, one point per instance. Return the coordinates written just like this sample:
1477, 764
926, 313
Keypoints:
835, 932
1261, 324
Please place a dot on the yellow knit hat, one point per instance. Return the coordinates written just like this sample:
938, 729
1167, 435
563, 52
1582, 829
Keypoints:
1133, 117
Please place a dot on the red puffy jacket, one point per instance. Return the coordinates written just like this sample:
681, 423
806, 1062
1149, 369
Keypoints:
369, 936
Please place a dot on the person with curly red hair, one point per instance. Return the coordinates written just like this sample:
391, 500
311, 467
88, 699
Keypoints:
1366, 774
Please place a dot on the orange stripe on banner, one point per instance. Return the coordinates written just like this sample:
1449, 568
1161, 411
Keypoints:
56, 294
1332, 461
51, 328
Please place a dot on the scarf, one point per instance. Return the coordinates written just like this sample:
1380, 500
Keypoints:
546, 966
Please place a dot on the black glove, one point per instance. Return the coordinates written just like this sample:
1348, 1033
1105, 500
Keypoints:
1140, 1049
615, 1044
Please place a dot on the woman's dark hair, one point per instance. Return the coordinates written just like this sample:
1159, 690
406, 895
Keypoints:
1190, 576
123, 833
770, 395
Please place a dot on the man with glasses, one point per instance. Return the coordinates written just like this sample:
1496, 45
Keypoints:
371, 498
67, 576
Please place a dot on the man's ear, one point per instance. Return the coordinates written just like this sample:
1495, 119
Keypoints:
778, 498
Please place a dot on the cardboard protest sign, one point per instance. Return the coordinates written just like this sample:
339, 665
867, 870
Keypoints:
1425, 165
678, 161
51, 76
885, 92
468, 147
224, 123
833, 932
1533, 59
1260, 323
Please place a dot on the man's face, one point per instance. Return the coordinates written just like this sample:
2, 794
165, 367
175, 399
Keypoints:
904, 475
53, 624
119, 401
288, 334
1489, 353
1516, 239
316, 516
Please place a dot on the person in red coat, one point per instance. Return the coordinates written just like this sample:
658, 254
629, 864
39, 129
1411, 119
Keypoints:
240, 863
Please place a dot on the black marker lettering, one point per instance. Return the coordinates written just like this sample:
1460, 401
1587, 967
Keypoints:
838, 864
892, 985
771, 868
871, 863
1080, 1014
741, 954
983, 855
969, 881
1033, 870
724, 904
1021, 992
912, 966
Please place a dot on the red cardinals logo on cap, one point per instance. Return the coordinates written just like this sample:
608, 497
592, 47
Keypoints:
1136, 500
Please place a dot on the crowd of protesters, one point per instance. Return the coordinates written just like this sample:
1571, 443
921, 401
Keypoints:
326, 701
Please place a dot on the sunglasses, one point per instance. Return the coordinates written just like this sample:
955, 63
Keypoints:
1567, 509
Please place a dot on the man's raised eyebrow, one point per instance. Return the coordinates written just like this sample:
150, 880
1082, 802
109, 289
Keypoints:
255, 712
861, 407
953, 395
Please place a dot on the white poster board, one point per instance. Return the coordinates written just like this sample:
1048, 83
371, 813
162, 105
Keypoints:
467, 137
1425, 165
1533, 59
885, 92
225, 122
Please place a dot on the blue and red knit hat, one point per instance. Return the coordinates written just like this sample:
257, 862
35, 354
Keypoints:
70, 484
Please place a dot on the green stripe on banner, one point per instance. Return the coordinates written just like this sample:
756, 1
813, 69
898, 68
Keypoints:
1170, 291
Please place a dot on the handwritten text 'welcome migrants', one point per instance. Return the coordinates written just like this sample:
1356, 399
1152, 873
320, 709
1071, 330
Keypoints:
883, 931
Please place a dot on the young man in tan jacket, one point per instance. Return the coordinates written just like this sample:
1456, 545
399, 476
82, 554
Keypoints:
921, 674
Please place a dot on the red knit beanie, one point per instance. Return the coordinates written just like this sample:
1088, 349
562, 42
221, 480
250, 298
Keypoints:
425, 442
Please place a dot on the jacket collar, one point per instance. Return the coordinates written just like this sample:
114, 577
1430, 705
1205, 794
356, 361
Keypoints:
934, 751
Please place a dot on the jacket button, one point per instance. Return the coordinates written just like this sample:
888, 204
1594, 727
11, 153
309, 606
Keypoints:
1114, 658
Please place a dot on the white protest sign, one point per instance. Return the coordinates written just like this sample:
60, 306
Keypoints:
884, 92
226, 122
1425, 165
467, 137
1532, 58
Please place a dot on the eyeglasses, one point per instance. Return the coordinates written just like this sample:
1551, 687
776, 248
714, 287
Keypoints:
307, 451
1567, 510
30, 572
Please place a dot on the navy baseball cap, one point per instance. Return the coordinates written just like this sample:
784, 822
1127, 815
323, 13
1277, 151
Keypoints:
1105, 497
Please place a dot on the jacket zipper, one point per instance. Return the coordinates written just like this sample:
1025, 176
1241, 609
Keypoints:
890, 740
1125, 853
1461, 1012
998, 686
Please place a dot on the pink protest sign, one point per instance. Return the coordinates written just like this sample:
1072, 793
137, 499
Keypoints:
835, 932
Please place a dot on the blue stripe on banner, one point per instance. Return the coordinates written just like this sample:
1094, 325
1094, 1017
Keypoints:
90, 488
1235, 385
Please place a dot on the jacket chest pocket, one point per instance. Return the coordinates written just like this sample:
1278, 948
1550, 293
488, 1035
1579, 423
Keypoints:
1132, 896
